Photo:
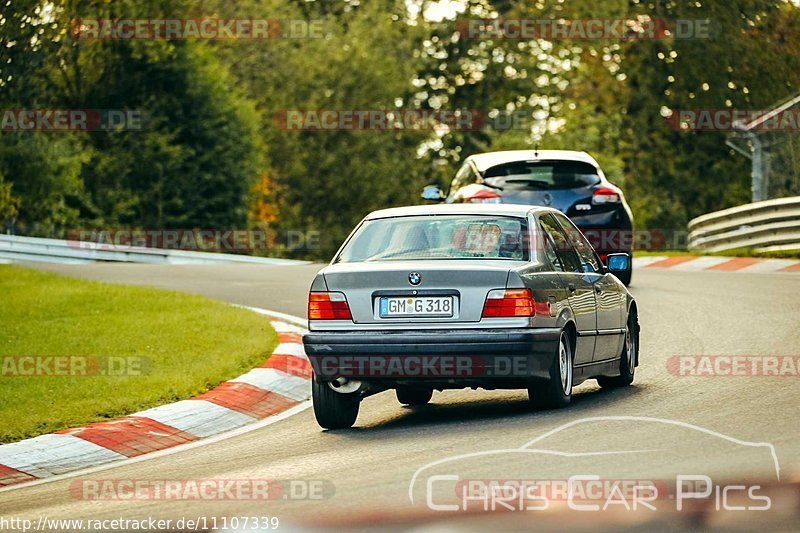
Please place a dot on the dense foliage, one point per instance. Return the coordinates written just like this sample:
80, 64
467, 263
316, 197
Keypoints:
211, 155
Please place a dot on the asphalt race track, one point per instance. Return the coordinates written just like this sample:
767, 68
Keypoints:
371, 466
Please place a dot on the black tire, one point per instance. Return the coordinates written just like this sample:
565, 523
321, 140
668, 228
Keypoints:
333, 410
411, 396
627, 358
556, 392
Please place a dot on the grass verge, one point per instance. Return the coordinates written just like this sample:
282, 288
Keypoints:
134, 348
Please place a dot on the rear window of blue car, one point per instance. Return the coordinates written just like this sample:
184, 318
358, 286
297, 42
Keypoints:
543, 175
432, 237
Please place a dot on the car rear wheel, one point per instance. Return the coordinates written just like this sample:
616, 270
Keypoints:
627, 359
411, 396
557, 391
333, 410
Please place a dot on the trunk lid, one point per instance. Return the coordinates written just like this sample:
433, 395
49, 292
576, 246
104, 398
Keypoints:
561, 199
468, 281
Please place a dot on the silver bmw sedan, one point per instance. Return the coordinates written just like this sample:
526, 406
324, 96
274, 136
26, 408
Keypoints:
428, 298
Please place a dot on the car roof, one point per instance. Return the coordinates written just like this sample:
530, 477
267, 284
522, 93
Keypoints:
491, 159
459, 209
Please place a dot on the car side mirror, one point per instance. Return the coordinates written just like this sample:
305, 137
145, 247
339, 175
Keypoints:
618, 262
432, 193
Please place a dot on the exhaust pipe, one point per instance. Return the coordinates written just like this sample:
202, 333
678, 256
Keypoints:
344, 385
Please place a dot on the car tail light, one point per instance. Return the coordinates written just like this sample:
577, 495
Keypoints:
508, 303
483, 197
328, 306
607, 195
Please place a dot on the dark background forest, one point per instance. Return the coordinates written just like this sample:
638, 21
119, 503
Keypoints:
210, 155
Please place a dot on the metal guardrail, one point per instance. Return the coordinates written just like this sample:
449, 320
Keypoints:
14, 248
768, 226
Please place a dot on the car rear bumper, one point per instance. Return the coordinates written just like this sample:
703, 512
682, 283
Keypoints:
468, 356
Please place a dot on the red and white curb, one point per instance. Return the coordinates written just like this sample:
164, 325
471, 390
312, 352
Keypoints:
280, 384
747, 265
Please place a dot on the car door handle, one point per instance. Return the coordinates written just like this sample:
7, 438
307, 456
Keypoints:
571, 287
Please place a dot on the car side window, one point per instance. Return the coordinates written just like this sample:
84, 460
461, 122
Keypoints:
589, 260
550, 252
563, 250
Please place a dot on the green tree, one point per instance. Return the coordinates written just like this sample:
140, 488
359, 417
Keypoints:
327, 181
193, 162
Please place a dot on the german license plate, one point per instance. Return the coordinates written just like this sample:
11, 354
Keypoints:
416, 306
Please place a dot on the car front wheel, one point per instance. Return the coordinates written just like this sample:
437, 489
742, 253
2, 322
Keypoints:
557, 391
333, 410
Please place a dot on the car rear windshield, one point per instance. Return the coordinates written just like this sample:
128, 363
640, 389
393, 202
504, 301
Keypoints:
438, 237
543, 175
